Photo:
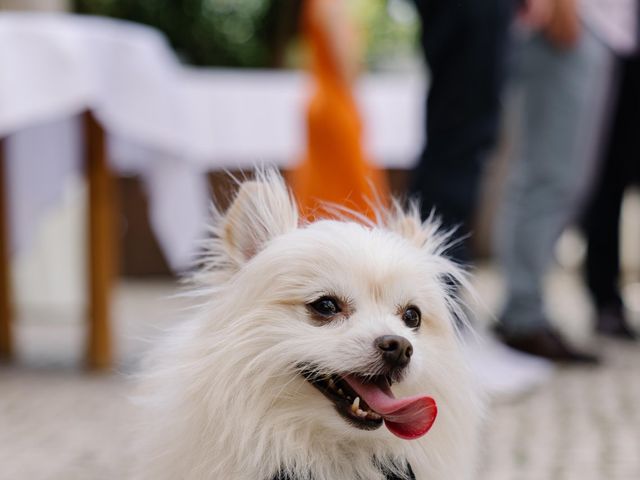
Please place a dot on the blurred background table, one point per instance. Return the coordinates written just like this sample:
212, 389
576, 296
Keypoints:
154, 118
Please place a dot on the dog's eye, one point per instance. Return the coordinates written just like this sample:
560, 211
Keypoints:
412, 316
326, 306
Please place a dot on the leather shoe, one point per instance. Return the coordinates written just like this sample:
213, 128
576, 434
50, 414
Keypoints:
546, 343
612, 322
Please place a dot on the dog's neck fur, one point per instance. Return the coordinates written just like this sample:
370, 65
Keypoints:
389, 476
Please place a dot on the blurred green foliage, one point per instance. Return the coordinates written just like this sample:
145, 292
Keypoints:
248, 33
390, 28
204, 32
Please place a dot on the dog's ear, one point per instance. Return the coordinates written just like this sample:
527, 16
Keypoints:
427, 235
407, 223
262, 210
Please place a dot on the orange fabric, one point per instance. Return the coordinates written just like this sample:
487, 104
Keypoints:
335, 167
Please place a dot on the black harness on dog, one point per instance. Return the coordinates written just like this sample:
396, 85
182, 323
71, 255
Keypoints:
389, 476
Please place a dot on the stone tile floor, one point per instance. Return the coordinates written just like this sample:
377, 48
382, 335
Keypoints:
60, 423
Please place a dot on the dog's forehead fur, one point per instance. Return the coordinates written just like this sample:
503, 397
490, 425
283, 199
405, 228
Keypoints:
352, 260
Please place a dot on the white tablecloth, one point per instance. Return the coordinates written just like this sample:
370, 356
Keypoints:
166, 122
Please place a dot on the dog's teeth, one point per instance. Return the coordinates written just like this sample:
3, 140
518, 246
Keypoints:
373, 416
356, 404
332, 384
360, 413
340, 392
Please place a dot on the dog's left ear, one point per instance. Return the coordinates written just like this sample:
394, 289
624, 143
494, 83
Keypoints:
407, 224
262, 210
428, 235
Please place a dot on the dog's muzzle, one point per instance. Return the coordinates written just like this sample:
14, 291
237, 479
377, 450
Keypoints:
365, 399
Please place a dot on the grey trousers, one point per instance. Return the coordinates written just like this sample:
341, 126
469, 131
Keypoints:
561, 102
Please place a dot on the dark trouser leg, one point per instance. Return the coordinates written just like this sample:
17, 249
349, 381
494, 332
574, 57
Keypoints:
602, 224
602, 217
465, 45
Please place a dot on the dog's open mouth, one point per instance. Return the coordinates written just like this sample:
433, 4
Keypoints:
365, 402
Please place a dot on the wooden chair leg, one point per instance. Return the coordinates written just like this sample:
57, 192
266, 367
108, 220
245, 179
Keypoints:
101, 245
6, 311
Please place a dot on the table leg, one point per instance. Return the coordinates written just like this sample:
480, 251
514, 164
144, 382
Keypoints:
101, 241
6, 311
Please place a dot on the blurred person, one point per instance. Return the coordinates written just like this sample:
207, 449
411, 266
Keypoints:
466, 46
564, 76
601, 221
335, 168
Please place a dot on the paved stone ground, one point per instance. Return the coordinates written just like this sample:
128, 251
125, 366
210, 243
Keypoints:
584, 425
59, 423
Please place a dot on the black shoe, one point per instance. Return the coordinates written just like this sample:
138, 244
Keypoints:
548, 344
612, 322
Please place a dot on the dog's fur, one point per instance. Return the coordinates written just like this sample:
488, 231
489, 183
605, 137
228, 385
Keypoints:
224, 394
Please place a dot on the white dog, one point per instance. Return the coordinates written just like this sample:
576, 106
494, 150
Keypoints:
321, 351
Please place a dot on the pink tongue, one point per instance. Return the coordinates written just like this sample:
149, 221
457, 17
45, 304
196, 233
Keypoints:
408, 418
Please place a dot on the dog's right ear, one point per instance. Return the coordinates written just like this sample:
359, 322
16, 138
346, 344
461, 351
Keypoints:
262, 210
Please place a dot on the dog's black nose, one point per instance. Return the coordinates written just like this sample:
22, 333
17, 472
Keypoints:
396, 350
